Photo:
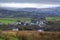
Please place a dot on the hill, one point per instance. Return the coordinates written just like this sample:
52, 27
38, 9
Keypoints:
29, 12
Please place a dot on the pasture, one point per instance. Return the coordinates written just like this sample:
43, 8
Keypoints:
13, 20
53, 18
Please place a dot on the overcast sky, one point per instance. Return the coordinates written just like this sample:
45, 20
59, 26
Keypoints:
30, 3
33, 1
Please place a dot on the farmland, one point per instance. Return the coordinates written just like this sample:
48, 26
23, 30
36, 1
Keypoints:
13, 20
53, 18
29, 35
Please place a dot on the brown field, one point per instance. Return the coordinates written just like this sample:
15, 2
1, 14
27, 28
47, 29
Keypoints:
29, 35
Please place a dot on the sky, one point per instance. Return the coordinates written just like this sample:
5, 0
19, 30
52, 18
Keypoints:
30, 3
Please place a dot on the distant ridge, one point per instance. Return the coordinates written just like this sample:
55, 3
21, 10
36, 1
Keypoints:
29, 12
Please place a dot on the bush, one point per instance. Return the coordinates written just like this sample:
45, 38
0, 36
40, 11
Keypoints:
29, 35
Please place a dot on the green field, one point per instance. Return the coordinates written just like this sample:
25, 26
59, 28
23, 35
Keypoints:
13, 20
53, 18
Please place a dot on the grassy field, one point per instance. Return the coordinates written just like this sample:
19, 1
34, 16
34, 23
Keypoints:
53, 18
29, 35
13, 20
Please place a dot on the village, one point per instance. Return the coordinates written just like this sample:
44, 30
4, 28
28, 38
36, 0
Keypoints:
35, 24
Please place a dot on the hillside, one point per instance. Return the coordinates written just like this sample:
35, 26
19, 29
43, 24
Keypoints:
29, 35
29, 12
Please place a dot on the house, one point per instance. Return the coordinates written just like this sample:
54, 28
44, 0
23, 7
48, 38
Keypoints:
32, 23
39, 23
18, 23
1, 23
15, 29
26, 23
40, 30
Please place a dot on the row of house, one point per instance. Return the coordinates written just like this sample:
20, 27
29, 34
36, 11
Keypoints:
39, 23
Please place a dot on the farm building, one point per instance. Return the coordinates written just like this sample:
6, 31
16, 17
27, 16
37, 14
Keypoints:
15, 29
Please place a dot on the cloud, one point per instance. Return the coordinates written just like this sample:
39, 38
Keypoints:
32, 1
30, 5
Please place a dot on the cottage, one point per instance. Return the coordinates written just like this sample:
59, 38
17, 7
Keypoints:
40, 30
1, 23
32, 23
18, 22
15, 29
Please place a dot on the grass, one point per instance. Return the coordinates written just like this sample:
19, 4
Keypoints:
25, 19
53, 18
29, 35
13, 20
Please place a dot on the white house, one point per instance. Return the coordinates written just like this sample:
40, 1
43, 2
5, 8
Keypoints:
32, 23
41, 23
40, 30
15, 29
25, 23
18, 22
